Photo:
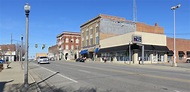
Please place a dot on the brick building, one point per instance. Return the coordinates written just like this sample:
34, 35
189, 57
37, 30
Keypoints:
99, 28
53, 52
8, 52
115, 38
69, 44
182, 49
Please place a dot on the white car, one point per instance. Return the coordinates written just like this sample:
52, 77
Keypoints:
188, 60
43, 60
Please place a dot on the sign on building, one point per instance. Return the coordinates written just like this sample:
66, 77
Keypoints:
137, 39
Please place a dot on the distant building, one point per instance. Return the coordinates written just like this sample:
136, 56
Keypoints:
69, 44
8, 52
41, 55
53, 52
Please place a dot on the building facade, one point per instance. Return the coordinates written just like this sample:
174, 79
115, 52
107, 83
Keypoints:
53, 53
115, 39
182, 49
69, 44
99, 28
8, 52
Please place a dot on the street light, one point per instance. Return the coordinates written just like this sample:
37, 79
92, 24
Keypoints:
174, 61
27, 10
21, 48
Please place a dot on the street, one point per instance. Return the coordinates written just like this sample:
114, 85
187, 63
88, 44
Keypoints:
106, 77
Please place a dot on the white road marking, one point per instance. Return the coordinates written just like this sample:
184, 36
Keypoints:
84, 71
177, 91
58, 74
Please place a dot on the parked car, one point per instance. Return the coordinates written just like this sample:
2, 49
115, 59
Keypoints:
188, 60
80, 59
2, 61
43, 60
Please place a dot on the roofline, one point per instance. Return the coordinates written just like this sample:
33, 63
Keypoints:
77, 33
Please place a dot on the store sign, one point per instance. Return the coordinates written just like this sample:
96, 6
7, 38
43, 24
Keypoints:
136, 39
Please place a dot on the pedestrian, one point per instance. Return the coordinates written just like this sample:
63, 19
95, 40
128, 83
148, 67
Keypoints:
105, 59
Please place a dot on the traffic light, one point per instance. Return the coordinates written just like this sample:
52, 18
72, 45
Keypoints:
36, 45
43, 46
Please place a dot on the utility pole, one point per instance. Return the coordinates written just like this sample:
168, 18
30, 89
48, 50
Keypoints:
11, 38
134, 11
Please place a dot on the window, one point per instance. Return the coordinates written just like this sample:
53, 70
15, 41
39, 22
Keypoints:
72, 40
87, 33
87, 42
97, 29
97, 40
91, 31
180, 57
77, 40
91, 41
72, 47
77, 47
66, 47
83, 43
67, 40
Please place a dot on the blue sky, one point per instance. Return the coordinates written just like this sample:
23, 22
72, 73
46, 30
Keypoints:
48, 18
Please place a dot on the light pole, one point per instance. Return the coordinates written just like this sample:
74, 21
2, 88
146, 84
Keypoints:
129, 52
21, 47
27, 10
174, 61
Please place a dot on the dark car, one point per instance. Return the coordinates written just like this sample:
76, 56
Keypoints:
80, 60
2, 61
188, 60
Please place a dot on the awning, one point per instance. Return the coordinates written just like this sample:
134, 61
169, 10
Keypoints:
96, 50
181, 53
170, 53
83, 51
161, 48
113, 49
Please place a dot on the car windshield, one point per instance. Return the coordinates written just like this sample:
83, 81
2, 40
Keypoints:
42, 57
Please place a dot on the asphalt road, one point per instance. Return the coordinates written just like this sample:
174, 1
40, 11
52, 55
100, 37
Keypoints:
65, 76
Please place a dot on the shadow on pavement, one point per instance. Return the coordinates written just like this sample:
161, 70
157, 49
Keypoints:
47, 78
71, 89
2, 85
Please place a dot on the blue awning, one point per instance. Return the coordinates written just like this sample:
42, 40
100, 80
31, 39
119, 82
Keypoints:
96, 50
83, 51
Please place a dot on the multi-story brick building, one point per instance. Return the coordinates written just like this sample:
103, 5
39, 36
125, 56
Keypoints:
53, 52
99, 28
114, 35
69, 44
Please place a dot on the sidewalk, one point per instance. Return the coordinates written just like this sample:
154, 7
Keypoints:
12, 79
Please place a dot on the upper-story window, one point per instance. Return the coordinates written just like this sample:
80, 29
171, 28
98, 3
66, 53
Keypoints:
66, 40
72, 40
77, 40
72, 47
87, 32
77, 47
66, 47
97, 29
91, 31
87, 42
97, 40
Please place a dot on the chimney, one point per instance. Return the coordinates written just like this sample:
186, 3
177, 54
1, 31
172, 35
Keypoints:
156, 24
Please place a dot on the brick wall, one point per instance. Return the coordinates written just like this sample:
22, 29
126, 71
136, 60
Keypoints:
181, 45
141, 27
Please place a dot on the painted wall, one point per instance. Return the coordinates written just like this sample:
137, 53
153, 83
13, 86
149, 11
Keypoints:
147, 38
